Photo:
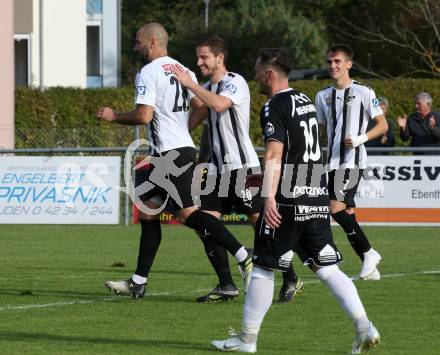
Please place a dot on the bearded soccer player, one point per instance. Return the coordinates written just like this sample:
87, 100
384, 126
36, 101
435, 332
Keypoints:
293, 220
226, 95
162, 103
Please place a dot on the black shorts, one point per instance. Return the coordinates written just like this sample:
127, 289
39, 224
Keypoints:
304, 230
343, 185
225, 199
168, 178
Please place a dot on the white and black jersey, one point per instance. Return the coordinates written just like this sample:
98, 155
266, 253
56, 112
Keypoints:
346, 112
157, 87
229, 130
289, 117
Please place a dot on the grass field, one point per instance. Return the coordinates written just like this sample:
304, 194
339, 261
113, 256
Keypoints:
52, 299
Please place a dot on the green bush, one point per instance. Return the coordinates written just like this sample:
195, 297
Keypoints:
65, 117
400, 94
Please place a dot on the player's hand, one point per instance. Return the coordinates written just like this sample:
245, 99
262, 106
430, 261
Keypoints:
271, 215
182, 75
431, 122
107, 114
401, 121
353, 142
383, 139
254, 180
348, 142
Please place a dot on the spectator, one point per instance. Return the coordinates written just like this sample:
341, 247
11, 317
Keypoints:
386, 139
422, 126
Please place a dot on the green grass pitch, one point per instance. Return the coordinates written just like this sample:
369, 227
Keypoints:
52, 299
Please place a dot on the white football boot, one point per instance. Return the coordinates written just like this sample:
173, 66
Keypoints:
366, 340
374, 276
371, 260
234, 343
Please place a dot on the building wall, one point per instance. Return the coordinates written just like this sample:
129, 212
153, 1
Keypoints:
23, 19
7, 82
35, 44
110, 58
64, 33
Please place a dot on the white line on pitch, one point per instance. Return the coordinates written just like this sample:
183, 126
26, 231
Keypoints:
117, 298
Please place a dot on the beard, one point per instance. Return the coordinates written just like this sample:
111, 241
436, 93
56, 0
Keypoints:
264, 89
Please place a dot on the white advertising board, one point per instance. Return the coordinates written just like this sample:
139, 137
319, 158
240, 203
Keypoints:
59, 190
400, 182
400, 190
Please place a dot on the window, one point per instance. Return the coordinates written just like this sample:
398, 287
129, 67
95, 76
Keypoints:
93, 51
22, 60
94, 7
94, 73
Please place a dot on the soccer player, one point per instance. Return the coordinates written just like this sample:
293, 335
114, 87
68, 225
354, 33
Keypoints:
295, 210
345, 108
226, 94
162, 103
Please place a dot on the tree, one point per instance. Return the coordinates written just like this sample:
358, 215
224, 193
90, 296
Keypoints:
135, 13
246, 25
403, 35
262, 23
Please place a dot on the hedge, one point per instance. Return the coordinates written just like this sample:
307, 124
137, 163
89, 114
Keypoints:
66, 116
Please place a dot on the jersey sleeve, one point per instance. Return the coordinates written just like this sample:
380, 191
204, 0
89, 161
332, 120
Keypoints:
236, 90
272, 123
146, 87
371, 104
319, 105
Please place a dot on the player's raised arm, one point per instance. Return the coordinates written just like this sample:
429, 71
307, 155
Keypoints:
216, 102
142, 114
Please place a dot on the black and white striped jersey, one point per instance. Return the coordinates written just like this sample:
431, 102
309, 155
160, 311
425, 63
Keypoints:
229, 130
157, 87
346, 112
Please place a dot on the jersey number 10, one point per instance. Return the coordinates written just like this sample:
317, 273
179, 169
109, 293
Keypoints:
312, 151
181, 95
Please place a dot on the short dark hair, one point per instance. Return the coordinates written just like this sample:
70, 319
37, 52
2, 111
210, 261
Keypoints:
341, 47
276, 57
216, 44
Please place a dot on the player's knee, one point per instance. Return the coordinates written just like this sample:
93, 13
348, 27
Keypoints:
185, 213
336, 206
349, 210
253, 218
260, 273
147, 217
148, 208
324, 273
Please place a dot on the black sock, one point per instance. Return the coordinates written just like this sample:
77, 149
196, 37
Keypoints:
214, 229
355, 235
151, 235
218, 257
290, 275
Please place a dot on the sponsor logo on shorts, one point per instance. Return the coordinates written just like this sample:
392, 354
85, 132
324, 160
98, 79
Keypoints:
328, 255
309, 191
285, 259
305, 213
